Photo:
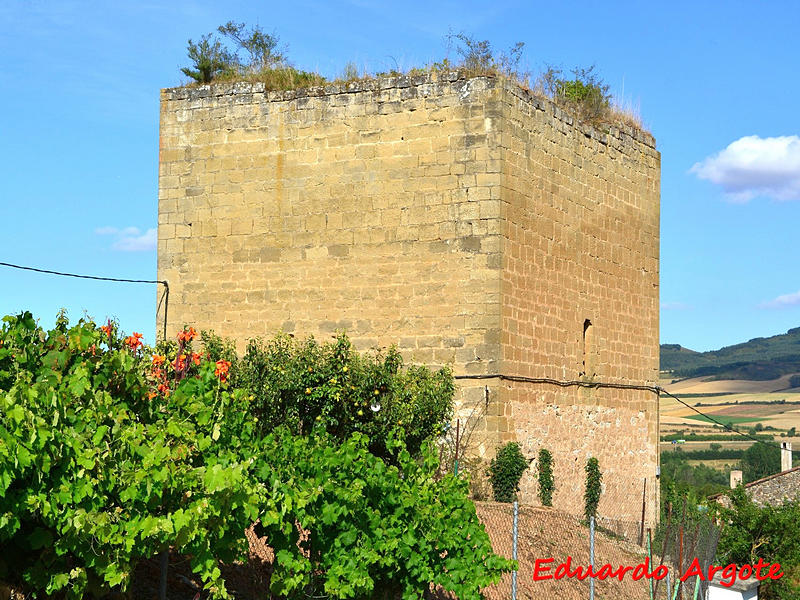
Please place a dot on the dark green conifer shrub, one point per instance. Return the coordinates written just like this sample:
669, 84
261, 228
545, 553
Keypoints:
594, 480
546, 483
506, 470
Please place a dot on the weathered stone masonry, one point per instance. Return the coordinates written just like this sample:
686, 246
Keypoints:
466, 221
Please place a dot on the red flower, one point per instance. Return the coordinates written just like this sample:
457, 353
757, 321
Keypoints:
222, 370
134, 341
187, 335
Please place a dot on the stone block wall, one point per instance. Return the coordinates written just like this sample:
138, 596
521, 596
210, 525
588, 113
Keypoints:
374, 211
580, 299
463, 220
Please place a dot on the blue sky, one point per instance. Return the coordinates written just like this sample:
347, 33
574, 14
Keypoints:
716, 83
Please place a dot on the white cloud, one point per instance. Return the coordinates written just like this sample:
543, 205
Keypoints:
131, 239
133, 242
784, 301
754, 166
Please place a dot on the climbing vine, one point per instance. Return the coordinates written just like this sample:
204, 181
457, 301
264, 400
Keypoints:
546, 483
591, 496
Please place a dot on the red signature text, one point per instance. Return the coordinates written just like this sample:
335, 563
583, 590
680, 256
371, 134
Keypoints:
544, 569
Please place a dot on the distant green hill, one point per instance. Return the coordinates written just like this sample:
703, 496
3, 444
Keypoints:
759, 359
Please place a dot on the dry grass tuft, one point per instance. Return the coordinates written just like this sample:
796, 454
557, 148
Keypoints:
274, 79
628, 114
290, 78
583, 94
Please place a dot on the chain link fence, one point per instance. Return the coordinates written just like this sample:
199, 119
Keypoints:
544, 533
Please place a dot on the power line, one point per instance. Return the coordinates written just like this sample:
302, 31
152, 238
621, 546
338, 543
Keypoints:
563, 383
725, 426
623, 386
164, 298
49, 272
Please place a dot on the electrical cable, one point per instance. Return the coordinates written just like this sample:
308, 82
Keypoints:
165, 297
563, 383
723, 425
48, 272
624, 386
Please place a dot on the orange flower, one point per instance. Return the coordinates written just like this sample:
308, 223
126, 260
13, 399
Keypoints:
195, 358
134, 341
187, 335
163, 388
151, 395
108, 328
158, 359
180, 363
222, 370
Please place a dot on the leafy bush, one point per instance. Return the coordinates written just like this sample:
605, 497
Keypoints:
109, 456
753, 532
99, 470
306, 385
591, 496
506, 470
585, 94
546, 483
366, 527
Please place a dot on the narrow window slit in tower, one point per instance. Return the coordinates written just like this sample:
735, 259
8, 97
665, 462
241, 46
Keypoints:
587, 344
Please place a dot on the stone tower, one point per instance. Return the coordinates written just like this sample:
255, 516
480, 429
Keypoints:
467, 221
